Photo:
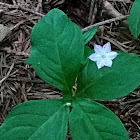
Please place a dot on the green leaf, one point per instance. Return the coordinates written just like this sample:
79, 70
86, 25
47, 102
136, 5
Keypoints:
57, 50
93, 121
88, 35
36, 120
134, 19
110, 83
87, 52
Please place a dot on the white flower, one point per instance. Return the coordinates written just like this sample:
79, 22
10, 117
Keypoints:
103, 56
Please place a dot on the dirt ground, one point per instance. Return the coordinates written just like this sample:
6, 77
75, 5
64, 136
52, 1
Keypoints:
18, 81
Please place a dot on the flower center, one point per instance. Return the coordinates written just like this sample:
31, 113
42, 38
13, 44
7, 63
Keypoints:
103, 56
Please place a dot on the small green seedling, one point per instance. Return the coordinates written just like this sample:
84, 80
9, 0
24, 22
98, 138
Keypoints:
59, 56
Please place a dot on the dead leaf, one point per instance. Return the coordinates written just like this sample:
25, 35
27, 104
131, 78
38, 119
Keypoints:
4, 31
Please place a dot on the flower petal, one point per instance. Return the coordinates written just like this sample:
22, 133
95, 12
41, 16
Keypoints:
107, 47
100, 63
107, 62
98, 49
95, 57
111, 55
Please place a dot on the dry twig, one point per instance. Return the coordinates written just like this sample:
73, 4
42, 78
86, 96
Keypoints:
2, 80
115, 43
21, 8
105, 22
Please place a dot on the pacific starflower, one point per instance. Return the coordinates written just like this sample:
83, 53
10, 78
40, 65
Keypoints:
103, 56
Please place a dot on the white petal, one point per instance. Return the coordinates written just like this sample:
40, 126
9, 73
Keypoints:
95, 57
98, 49
107, 47
100, 63
107, 62
111, 55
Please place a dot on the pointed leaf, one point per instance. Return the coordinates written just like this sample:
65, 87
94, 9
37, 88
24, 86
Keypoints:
87, 52
110, 83
92, 121
88, 35
134, 19
57, 50
36, 120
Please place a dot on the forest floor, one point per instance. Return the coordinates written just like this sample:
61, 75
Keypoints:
18, 81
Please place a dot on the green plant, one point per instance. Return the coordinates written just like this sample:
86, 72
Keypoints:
134, 19
59, 56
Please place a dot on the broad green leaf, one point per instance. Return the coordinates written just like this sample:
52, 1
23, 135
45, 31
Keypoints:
57, 50
36, 120
88, 35
93, 121
87, 52
134, 19
110, 83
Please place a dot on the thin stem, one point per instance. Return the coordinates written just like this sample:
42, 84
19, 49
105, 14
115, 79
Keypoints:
105, 22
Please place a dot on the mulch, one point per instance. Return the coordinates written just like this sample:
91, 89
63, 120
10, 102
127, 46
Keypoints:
18, 81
